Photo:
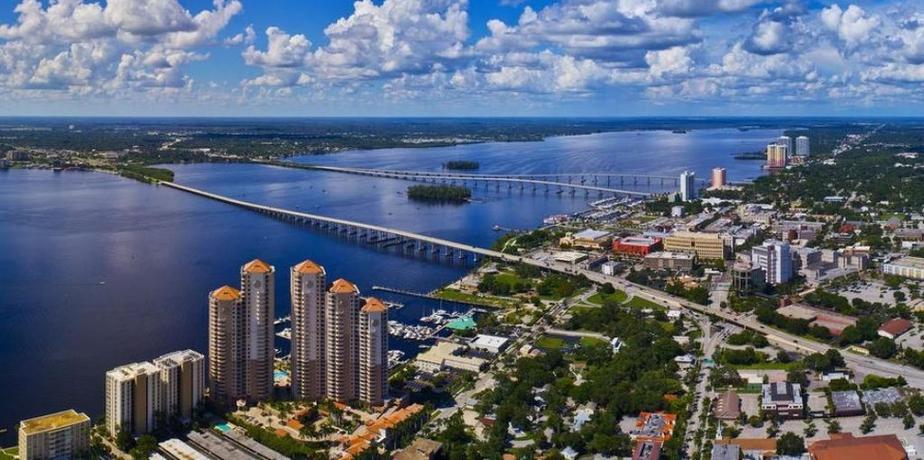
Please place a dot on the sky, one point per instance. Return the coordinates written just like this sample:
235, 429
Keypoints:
461, 57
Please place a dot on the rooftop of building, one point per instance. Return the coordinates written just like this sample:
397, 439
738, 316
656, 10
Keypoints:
131, 370
180, 356
374, 305
493, 341
847, 447
420, 449
896, 326
257, 266
655, 425
639, 241
782, 392
728, 405
53, 421
342, 286
590, 234
846, 400
751, 444
308, 267
726, 452
909, 262
671, 255
225, 293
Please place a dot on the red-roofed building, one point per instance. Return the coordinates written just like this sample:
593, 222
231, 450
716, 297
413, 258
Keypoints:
894, 328
636, 246
846, 447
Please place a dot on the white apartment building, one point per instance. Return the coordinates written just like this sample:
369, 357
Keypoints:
775, 259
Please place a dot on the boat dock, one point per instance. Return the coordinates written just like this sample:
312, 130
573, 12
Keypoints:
429, 296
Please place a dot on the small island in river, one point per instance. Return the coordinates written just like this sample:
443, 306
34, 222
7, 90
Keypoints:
461, 165
439, 193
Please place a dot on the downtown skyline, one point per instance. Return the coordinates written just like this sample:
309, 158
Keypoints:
461, 58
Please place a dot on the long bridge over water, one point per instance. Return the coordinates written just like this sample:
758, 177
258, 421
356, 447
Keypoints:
602, 183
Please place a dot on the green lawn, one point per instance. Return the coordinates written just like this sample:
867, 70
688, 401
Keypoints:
550, 343
487, 301
598, 298
638, 302
591, 341
9, 454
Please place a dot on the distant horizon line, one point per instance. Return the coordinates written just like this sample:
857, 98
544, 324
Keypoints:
473, 117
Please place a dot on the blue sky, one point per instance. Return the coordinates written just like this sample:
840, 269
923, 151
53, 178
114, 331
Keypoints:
461, 57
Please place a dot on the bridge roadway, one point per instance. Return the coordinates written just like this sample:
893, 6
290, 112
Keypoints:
862, 364
540, 180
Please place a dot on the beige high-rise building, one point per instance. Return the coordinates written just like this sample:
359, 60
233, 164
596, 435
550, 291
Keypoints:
341, 341
182, 375
308, 289
226, 346
777, 154
704, 245
132, 398
373, 352
64, 434
258, 286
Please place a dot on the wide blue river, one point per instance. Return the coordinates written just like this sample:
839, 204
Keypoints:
98, 271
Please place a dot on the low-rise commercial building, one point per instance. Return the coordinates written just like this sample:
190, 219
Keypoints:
906, 267
64, 434
636, 246
844, 446
489, 343
669, 260
727, 406
587, 239
783, 399
708, 246
894, 328
846, 403
420, 449
445, 355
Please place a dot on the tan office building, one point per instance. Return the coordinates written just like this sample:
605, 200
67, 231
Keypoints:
64, 434
132, 398
182, 375
308, 289
373, 352
341, 345
226, 346
258, 286
704, 245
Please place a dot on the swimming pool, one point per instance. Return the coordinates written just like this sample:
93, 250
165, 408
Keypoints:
223, 427
279, 375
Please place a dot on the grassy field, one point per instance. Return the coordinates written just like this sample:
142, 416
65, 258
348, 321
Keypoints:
9, 454
598, 298
550, 343
591, 341
485, 301
638, 302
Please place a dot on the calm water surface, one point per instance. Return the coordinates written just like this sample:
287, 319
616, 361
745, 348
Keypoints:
98, 271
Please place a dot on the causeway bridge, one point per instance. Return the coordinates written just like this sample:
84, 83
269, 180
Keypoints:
601, 184
379, 236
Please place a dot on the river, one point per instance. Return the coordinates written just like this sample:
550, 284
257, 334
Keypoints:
98, 271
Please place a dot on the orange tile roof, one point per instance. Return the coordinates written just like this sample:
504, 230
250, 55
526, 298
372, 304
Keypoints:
342, 286
374, 305
225, 293
847, 447
308, 267
281, 433
257, 266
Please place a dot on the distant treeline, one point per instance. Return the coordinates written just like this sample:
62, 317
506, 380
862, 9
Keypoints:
461, 165
751, 156
439, 193
145, 173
